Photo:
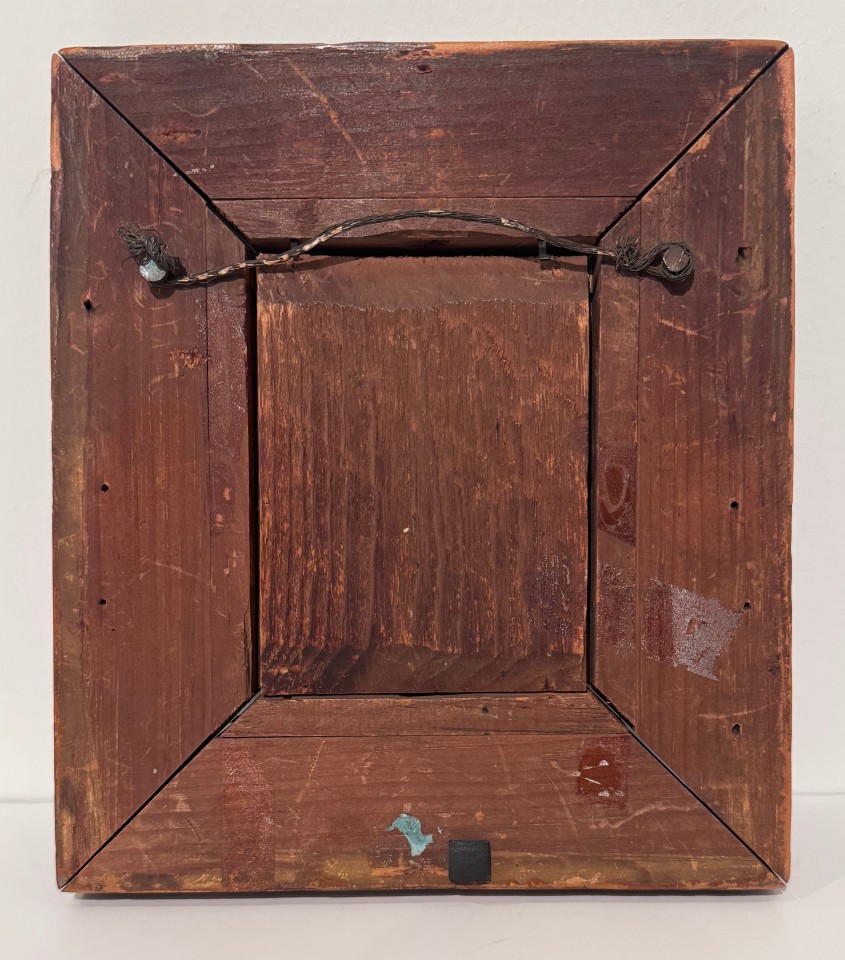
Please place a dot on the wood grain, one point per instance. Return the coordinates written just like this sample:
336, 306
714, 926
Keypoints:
588, 810
423, 460
537, 713
266, 222
151, 522
415, 120
616, 320
710, 675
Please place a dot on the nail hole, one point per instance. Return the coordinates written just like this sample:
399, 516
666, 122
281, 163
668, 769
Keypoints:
743, 253
423, 68
86, 302
102, 602
746, 605
104, 487
736, 729
734, 504
485, 709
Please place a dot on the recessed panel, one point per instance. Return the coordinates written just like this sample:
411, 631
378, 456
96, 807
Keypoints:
423, 435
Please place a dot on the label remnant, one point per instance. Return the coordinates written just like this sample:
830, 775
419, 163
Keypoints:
412, 830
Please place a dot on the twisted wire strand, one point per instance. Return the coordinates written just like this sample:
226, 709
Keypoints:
147, 246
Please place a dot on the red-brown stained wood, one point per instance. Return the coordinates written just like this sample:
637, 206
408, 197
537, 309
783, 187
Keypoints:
714, 474
266, 222
586, 810
615, 311
423, 463
230, 330
691, 470
152, 634
417, 120
537, 713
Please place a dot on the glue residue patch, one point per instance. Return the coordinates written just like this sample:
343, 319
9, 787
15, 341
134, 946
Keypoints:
687, 629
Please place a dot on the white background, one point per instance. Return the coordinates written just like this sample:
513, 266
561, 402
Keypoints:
34, 29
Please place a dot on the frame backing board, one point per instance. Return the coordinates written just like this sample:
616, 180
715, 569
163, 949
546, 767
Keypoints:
423, 441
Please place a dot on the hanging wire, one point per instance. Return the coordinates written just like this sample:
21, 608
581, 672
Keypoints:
668, 261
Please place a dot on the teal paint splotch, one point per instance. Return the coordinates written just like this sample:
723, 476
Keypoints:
412, 829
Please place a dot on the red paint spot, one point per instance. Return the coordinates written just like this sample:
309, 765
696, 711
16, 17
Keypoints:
602, 770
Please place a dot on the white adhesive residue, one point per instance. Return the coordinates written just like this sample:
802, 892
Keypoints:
701, 630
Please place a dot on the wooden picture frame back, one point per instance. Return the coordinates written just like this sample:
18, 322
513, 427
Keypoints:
669, 767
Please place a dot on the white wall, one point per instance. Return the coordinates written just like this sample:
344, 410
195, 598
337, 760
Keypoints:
36, 28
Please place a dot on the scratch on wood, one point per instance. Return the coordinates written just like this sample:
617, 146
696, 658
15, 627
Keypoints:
331, 113
648, 808
175, 569
681, 329
311, 769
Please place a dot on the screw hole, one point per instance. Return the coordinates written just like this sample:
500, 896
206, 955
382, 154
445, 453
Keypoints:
746, 605
485, 709
736, 729
734, 504
102, 602
423, 68
104, 487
